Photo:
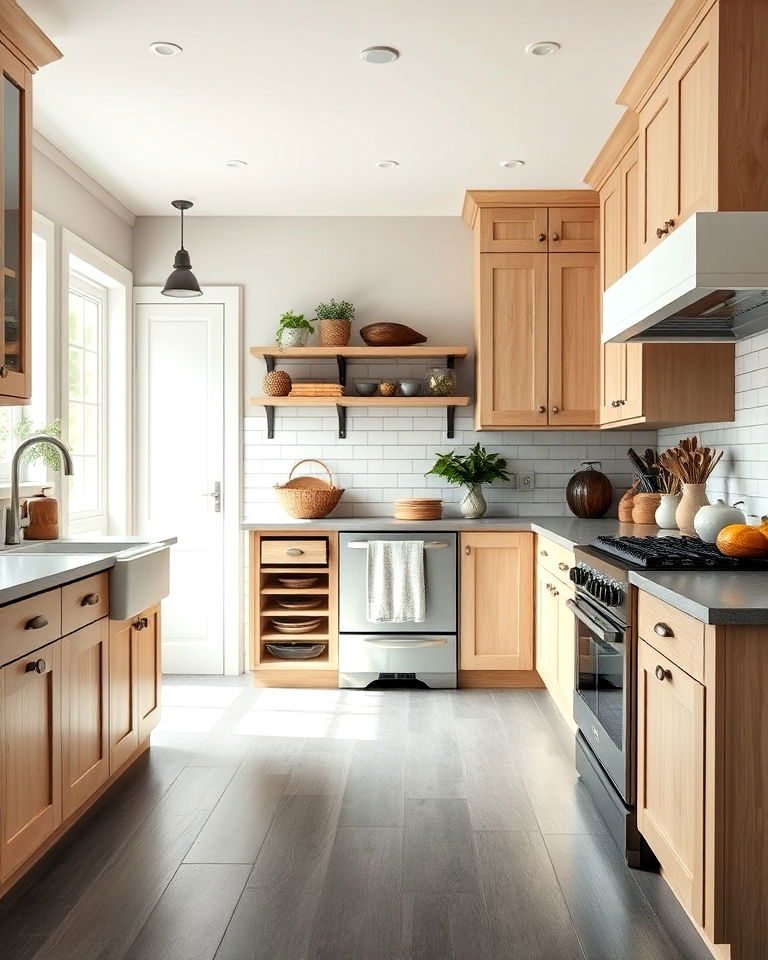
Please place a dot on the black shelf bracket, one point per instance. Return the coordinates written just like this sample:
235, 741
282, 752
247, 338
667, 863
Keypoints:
341, 412
450, 413
270, 412
342, 363
450, 361
269, 363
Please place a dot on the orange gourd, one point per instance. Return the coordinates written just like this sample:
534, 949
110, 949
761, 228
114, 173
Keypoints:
763, 526
741, 540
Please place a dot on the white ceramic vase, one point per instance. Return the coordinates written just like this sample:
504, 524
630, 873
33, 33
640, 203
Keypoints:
665, 512
694, 496
473, 505
294, 337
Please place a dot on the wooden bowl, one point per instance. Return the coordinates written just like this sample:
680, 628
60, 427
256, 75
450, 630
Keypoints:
391, 335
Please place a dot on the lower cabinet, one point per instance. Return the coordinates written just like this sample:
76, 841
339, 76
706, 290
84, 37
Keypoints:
135, 675
670, 774
555, 639
30, 750
84, 714
496, 602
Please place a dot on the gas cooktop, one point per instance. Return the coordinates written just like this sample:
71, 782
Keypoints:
673, 553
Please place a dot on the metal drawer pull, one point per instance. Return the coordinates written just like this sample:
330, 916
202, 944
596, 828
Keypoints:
399, 644
429, 545
555, 237
36, 623
293, 552
90, 600
37, 666
662, 630
141, 624
543, 553
661, 673
563, 566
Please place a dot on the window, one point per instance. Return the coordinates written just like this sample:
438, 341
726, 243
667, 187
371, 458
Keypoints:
86, 412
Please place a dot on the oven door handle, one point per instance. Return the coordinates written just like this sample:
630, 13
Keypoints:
402, 644
596, 623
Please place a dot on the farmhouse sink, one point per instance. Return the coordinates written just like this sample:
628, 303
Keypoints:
68, 547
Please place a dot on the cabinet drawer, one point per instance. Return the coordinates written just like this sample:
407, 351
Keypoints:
84, 601
555, 559
673, 633
294, 551
29, 624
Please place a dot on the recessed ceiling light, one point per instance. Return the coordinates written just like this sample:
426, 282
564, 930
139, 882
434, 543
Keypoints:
165, 49
511, 163
380, 54
386, 164
542, 48
237, 164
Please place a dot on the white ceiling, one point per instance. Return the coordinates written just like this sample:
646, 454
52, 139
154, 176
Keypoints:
280, 84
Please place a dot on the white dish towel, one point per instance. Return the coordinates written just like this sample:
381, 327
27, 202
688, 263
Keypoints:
396, 591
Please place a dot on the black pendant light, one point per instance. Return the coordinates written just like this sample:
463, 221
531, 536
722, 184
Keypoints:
182, 282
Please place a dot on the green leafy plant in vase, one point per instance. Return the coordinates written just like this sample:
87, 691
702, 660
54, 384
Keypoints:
294, 330
335, 321
471, 470
44, 453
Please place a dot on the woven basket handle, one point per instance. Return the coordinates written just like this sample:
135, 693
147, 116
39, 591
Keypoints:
310, 460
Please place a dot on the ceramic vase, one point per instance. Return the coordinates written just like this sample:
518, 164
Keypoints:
473, 505
665, 512
294, 337
694, 496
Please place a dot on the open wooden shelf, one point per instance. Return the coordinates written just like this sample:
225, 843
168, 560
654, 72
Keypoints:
268, 662
298, 591
318, 635
286, 612
360, 401
422, 352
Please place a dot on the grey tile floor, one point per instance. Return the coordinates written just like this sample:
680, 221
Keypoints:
345, 825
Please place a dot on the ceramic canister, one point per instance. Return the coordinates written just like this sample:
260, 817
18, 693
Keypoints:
711, 518
665, 512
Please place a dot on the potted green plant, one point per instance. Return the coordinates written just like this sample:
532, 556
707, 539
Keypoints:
293, 330
335, 319
471, 470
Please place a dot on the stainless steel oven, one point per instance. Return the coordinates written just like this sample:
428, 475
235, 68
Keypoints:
379, 653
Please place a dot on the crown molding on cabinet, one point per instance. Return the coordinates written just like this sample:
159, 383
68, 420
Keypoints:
24, 38
614, 148
52, 152
474, 200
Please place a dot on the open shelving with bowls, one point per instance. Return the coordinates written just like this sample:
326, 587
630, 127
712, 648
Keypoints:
343, 355
293, 582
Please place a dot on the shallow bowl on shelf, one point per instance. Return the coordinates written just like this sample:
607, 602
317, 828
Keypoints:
295, 651
296, 626
366, 388
411, 388
299, 603
297, 583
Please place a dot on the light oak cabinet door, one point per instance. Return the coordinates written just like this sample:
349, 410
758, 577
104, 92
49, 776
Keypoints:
574, 230
148, 670
513, 333
574, 339
566, 651
496, 601
85, 717
670, 777
546, 626
123, 695
658, 139
30, 754
513, 230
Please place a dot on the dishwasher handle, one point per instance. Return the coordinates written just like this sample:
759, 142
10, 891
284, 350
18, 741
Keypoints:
428, 544
389, 644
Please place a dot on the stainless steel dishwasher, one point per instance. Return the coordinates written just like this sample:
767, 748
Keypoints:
425, 651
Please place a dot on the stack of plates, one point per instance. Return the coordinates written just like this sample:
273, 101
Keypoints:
418, 508
296, 626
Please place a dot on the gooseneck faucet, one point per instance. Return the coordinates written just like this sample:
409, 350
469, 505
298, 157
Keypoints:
12, 514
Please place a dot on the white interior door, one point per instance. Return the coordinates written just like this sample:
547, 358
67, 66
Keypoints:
180, 471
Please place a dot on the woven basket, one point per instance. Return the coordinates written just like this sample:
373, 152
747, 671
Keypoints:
308, 498
335, 333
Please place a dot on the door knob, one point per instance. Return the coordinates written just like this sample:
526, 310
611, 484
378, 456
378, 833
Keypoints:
555, 237
36, 666
555, 409
466, 551
563, 566
661, 673
662, 231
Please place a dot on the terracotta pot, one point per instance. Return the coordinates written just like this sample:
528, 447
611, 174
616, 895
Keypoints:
644, 507
625, 506
694, 496
335, 333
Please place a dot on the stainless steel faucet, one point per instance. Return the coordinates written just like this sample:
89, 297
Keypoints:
13, 521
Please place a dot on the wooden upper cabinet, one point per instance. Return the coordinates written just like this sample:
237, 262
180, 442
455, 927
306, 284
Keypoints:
574, 230
496, 601
23, 49
658, 164
30, 754
512, 340
85, 715
574, 339
513, 230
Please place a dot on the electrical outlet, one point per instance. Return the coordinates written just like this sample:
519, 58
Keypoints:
525, 481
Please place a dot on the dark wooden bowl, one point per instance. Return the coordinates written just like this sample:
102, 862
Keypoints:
390, 335
589, 493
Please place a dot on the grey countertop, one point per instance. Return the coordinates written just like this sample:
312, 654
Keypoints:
23, 574
720, 597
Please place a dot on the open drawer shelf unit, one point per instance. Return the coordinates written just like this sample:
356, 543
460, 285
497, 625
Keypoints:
278, 557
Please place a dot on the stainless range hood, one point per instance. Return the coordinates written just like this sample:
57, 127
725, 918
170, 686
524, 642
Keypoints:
706, 282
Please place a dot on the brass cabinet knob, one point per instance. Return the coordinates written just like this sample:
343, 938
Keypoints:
3, 371
542, 408
36, 666
555, 409
663, 231
542, 237
661, 673
555, 237
467, 551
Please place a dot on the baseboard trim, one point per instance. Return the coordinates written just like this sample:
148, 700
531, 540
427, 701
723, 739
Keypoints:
499, 679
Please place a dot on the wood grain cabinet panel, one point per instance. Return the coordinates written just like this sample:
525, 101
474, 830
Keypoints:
670, 790
123, 702
85, 717
513, 230
30, 754
546, 626
574, 339
149, 671
84, 602
496, 601
574, 230
658, 139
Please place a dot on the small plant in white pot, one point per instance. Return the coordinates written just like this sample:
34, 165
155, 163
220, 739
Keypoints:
471, 470
335, 320
294, 330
